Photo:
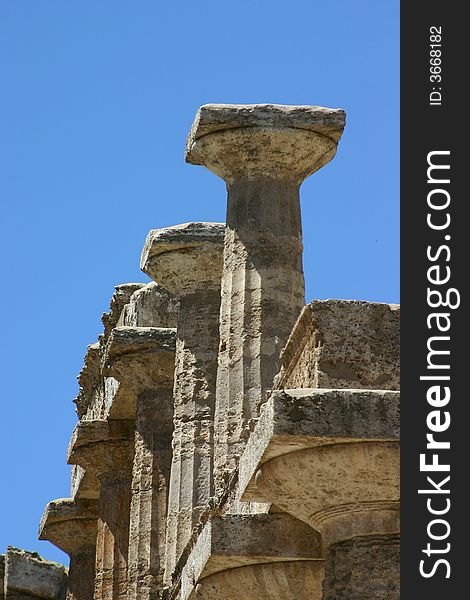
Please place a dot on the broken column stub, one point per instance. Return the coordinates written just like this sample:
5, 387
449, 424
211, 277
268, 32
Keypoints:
28, 576
105, 448
347, 442
343, 344
71, 526
263, 152
187, 260
266, 556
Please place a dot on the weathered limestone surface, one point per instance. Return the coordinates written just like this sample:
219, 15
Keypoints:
71, 526
151, 306
84, 484
138, 363
263, 152
266, 556
343, 344
187, 259
347, 442
28, 576
119, 300
90, 381
138, 359
363, 567
106, 449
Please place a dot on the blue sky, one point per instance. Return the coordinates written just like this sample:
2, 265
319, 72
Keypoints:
97, 99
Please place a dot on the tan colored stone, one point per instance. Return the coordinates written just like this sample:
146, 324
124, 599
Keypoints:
106, 449
138, 359
347, 442
343, 344
119, 299
263, 152
28, 576
151, 306
84, 485
187, 259
363, 567
90, 382
71, 526
234, 550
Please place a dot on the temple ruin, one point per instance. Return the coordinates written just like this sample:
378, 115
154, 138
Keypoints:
233, 442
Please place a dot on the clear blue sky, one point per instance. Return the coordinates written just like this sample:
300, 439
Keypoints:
97, 99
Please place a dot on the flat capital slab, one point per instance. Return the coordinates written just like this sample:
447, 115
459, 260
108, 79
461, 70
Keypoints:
185, 258
264, 140
70, 524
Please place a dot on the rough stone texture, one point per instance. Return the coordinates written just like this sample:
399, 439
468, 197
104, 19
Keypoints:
138, 359
346, 440
343, 344
119, 299
71, 526
294, 420
212, 118
28, 575
151, 306
263, 152
364, 567
187, 259
90, 383
106, 449
242, 547
318, 473
150, 483
83, 484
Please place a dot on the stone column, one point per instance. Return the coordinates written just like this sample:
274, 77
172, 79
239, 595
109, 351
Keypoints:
106, 449
71, 526
187, 260
263, 152
331, 459
363, 567
142, 360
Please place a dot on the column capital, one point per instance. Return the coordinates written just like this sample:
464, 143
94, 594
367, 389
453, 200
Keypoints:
70, 524
102, 447
266, 552
185, 258
346, 440
140, 359
265, 141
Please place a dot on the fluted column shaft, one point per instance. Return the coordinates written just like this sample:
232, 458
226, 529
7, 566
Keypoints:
187, 260
150, 483
262, 296
82, 574
194, 396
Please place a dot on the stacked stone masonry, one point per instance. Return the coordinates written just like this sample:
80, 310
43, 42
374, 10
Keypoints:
232, 441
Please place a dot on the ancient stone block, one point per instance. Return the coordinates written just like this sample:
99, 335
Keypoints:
187, 259
71, 525
347, 442
363, 567
138, 359
28, 575
151, 306
239, 550
343, 344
